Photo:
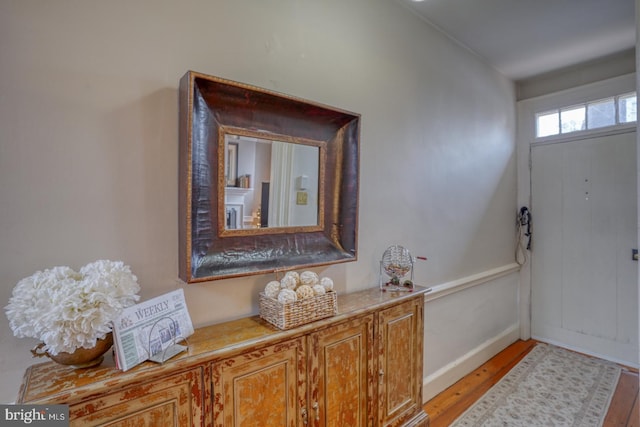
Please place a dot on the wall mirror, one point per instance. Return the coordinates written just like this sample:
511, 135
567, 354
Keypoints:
268, 182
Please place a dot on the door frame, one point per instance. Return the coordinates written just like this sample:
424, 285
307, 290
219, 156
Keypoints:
526, 111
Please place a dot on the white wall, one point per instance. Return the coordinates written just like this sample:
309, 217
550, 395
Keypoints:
305, 163
88, 143
467, 321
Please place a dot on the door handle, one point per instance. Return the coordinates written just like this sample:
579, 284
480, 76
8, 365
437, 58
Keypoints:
634, 255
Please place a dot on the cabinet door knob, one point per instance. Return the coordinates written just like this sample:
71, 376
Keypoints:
316, 408
303, 411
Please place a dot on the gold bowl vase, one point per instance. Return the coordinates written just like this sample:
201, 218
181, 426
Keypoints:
81, 357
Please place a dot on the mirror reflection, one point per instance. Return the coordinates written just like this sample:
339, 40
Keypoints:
270, 183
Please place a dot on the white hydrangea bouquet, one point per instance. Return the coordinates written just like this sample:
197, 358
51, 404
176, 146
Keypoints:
68, 310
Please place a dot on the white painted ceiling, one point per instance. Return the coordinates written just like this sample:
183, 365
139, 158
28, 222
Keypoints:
525, 38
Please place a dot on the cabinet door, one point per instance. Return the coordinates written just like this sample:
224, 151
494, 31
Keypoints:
400, 337
341, 374
264, 387
174, 400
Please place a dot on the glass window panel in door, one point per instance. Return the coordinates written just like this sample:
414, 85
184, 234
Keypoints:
572, 119
627, 110
547, 124
601, 113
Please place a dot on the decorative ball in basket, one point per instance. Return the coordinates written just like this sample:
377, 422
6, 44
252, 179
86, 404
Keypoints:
395, 265
298, 298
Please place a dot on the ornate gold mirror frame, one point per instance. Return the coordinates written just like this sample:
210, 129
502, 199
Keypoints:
212, 108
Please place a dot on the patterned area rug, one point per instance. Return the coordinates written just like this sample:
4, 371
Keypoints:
549, 387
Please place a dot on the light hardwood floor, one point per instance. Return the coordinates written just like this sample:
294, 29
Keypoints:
448, 405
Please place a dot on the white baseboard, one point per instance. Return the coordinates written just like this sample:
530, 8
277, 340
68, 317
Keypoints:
451, 373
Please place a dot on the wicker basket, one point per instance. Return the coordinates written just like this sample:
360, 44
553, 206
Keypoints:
290, 315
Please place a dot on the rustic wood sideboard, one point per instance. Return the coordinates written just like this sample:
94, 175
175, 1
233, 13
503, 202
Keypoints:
362, 367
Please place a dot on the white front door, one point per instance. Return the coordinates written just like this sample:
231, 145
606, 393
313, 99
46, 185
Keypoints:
584, 284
